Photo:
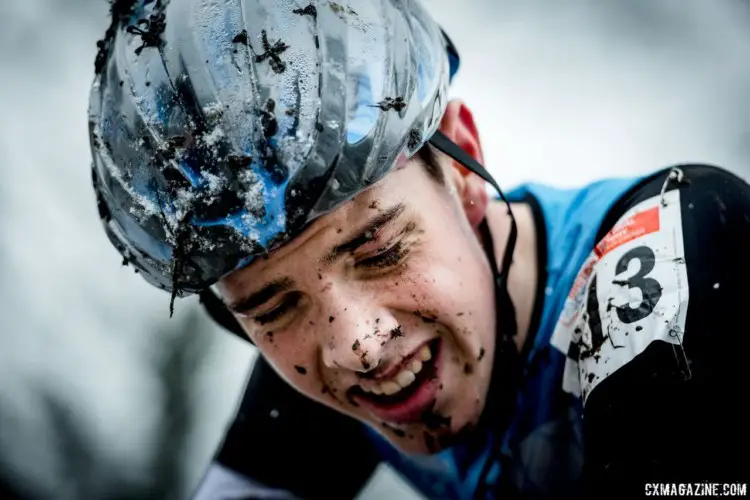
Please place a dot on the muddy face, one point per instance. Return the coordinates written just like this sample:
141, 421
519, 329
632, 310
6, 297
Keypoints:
382, 310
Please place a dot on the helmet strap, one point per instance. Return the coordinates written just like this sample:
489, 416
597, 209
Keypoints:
507, 366
507, 314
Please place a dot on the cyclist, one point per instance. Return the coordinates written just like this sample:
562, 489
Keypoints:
302, 169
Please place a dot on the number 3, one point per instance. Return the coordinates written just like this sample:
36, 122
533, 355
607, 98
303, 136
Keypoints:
650, 288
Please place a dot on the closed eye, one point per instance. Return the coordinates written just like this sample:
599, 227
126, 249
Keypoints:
289, 302
389, 258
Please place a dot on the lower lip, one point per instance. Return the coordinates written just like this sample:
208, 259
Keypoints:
410, 410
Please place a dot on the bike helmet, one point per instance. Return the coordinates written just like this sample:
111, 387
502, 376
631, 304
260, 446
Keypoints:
220, 129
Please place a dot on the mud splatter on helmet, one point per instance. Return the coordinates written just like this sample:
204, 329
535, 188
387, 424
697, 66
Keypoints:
221, 128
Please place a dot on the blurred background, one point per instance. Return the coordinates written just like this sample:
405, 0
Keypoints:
103, 396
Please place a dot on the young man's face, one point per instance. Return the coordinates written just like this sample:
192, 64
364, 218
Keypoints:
383, 310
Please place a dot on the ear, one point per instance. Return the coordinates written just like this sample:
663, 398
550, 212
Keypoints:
458, 125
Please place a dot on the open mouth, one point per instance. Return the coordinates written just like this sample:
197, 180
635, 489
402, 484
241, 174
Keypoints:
402, 396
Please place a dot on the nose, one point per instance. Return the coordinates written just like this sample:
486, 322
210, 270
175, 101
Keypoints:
356, 334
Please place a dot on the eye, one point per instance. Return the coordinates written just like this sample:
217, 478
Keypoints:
289, 302
387, 259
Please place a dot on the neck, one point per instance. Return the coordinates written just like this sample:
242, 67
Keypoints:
523, 274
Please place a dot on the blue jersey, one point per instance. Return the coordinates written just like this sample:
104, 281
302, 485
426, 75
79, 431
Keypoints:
541, 450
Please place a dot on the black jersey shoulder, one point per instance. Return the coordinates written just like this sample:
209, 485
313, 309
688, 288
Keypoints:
677, 413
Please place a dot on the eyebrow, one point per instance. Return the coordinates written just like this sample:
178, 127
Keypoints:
365, 235
262, 296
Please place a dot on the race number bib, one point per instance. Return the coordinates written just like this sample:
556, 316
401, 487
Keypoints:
631, 291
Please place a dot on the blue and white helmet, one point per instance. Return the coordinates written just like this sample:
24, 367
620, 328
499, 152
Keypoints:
221, 128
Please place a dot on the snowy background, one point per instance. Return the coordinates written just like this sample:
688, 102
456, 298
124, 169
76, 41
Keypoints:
103, 396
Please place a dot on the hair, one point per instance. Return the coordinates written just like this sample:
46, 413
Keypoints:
431, 164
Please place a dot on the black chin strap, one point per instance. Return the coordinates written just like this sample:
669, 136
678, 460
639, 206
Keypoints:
506, 370
507, 324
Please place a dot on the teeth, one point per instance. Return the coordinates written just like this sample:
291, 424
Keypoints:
425, 354
404, 378
390, 388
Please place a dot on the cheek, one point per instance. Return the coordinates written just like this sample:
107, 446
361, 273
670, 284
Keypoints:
454, 286
293, 360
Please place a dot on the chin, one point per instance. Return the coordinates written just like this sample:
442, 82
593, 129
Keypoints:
446, 420
424, 439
